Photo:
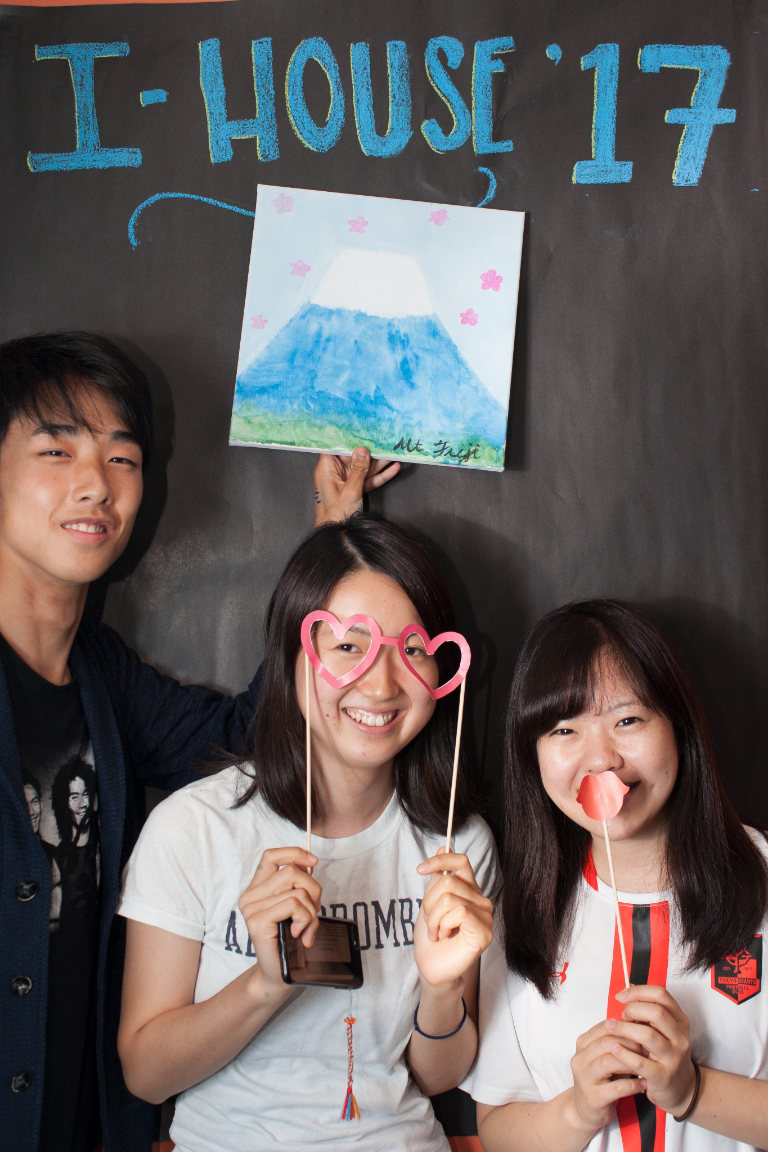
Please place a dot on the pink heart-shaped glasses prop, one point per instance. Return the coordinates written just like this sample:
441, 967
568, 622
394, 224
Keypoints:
602, 796
431, 647
340, 629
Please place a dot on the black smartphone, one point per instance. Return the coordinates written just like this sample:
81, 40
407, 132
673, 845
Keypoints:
333, 961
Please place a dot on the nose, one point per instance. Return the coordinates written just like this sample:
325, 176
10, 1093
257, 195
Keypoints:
600, 752
91, 484
380, 681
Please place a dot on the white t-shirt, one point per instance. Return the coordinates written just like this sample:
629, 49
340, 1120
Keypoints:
526, 1042
195, 857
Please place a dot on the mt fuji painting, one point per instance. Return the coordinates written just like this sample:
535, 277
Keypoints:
377, 322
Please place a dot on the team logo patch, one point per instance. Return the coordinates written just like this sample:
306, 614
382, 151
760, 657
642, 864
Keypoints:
739, 975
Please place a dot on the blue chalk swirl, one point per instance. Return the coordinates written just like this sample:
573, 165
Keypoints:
491, 187
555, 52
177, 196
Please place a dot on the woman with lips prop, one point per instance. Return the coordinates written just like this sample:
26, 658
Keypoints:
358, 687
622, 1008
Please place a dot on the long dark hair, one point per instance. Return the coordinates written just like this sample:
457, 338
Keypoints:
718, 875
275, 741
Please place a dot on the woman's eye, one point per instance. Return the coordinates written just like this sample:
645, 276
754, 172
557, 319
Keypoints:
414, 652
347, 648
628, 720
54, 452
563, 731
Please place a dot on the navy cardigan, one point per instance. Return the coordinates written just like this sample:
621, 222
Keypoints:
145, 729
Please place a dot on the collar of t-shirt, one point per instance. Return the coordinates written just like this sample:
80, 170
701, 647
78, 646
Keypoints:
593, 881
343, 848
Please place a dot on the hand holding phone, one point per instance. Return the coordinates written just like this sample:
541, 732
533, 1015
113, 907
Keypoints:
281, 890
333, 960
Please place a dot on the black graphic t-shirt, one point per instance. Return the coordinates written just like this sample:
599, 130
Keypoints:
59, 780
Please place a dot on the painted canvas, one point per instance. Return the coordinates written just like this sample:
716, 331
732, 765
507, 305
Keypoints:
386, 323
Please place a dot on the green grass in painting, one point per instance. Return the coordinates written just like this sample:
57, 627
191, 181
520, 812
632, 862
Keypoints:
305, 432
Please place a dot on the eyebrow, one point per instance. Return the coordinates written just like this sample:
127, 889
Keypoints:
60, 430
630, 702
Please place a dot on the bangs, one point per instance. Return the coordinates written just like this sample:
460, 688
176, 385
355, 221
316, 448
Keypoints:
68, 401
54, 380
568, 674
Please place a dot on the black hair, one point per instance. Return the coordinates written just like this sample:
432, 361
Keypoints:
275, 742
43, 376
718, 875
28, 779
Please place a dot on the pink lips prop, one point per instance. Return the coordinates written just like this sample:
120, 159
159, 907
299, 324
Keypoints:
602, 796
340, 629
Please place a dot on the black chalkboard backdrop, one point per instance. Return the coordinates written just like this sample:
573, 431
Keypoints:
636, 448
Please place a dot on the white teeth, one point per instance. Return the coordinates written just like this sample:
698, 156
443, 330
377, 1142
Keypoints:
371, 719
93, 529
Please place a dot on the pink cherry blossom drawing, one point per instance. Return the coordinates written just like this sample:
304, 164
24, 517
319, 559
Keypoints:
359, 225
283, 203
469, 317
299, 268
439, 217
490, 279
258, 321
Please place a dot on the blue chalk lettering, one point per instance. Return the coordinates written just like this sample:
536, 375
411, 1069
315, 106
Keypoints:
448, 93
554, 52
603, 168
221, 131
176, 196
88, 151
491, 187
483, 68
153, 96
399, 126
318, 138
711, 61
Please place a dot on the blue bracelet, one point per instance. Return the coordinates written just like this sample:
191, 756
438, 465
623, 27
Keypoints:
447, 1034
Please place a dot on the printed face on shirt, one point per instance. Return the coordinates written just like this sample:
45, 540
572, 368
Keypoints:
33, 804
366, 724
68, 495
619, 734
79, 800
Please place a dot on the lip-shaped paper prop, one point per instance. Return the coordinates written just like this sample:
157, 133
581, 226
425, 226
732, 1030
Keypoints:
602, 796
340, 629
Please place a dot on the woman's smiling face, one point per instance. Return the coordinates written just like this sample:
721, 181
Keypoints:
366, 724
617, 734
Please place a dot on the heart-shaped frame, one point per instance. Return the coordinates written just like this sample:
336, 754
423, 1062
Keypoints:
431, 647
340, 629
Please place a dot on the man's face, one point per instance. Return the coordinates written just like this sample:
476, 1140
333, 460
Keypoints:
79, 799
68, 496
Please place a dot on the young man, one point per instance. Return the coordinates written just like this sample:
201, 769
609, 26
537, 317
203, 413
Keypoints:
84, 725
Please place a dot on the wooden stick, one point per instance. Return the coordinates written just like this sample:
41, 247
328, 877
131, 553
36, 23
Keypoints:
455, 766
307, 675
616, 902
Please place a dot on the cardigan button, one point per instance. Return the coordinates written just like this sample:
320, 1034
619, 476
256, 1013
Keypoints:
21, 1081
27, 890
21, 985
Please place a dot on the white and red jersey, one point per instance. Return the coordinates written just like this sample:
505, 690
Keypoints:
526, 1042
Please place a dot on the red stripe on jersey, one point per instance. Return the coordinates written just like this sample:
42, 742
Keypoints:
657, 969
642, 1126
615, 1007
589, 871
